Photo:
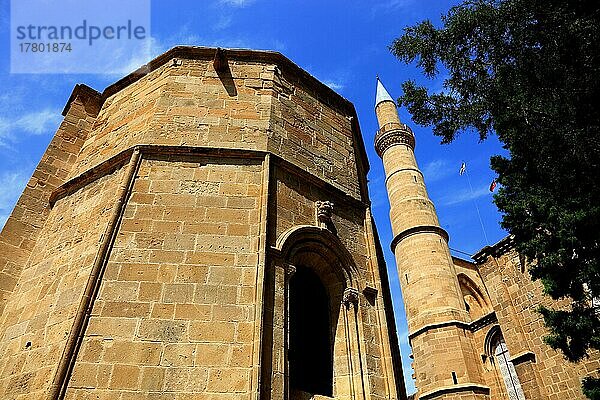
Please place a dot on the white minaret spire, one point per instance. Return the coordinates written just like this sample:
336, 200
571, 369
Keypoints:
382, 93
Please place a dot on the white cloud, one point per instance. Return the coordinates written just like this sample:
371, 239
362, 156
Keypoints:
382, 6
335, 79
150, 49
223, 22
185, 35
12, 184
436, 170
237, 3
40, 122
334, 85
34, 123
462, 196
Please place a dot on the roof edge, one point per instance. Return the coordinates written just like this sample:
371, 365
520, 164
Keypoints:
494, 250
91, 99
208, 53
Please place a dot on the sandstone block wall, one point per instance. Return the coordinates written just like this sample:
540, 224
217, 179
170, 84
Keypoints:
175, 313
40, 312
319, 139
515, 298
482, 321
255, 105
29, 215
183, 103
229, 161
294, 204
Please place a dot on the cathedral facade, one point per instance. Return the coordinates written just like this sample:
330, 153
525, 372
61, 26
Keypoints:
202, 229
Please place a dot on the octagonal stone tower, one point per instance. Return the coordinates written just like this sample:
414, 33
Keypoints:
199, 230
445, 361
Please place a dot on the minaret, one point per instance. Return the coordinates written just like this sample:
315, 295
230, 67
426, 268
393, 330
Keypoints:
446, 365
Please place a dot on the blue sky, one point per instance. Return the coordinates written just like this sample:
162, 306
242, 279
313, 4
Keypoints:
344, 43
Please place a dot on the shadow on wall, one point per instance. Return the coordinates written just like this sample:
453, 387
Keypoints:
224, 72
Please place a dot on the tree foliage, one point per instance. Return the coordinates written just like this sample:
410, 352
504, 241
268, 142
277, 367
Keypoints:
528, 71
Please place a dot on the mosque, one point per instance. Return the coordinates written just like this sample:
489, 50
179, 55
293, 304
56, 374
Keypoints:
202, 229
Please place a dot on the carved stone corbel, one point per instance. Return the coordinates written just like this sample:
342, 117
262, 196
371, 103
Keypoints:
350, 297
290, 270
324, 210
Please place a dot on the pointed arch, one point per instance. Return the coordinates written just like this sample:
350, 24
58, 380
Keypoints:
497, 352
310, 241
314, 250
476, 300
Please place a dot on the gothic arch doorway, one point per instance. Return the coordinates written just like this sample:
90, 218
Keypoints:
313, 342
310, 338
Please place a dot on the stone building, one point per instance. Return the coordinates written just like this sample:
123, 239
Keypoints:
473, 326
202, 229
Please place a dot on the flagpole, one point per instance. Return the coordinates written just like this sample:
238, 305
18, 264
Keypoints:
476, 206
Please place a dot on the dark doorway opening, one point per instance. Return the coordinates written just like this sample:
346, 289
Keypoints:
310, 347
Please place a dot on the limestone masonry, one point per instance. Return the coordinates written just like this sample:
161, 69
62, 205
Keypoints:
184, 234
202, 230
473, 327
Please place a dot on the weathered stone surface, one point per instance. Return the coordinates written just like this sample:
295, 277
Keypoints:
460, 313
543, 372
185, 240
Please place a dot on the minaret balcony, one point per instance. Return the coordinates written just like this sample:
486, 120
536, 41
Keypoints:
391, 134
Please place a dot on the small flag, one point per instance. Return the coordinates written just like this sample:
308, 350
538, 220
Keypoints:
463, 168
493, 185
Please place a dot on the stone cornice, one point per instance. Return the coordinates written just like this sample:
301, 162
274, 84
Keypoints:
119, 159
428, 327
494, 250
473, 326
415, 230
524, 356
484, 321
465, 387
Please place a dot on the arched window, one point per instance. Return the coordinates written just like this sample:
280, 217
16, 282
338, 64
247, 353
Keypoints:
506, 368
310, 336
475, 301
